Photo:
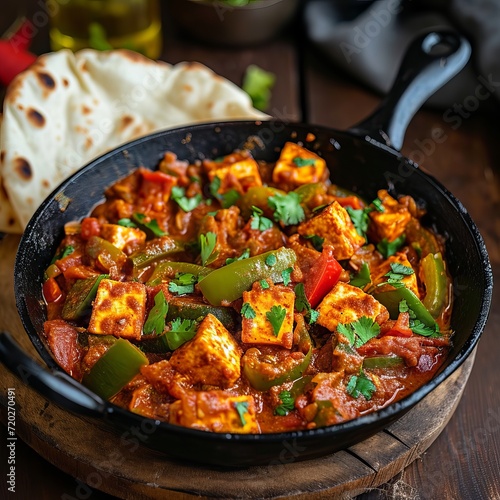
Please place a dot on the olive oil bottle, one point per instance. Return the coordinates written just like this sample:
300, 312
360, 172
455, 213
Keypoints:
107, 24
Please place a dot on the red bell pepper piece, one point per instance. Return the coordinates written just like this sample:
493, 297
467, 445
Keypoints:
400, 327
322, 276
51, 291
90, 227
14, 55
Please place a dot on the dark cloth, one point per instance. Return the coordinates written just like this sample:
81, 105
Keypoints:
368, 40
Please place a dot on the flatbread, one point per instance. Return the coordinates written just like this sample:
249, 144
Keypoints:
67, 109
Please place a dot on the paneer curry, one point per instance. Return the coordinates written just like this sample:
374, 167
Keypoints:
240, 296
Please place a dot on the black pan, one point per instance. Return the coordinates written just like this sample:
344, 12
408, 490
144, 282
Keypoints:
362, 159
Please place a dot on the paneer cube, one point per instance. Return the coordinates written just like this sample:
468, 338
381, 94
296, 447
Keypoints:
121, 236
335, 226
346, 303
119, 309
215, 411
297, 166
378, 274
236, 171
257, 327
391, 223
211, 357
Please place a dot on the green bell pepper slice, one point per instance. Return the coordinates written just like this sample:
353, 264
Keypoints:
436, 283
374, 362
229, 282
101, 249
115, 369
264, 371
170, 269
257, 196
80, 296
154, 250
392, 298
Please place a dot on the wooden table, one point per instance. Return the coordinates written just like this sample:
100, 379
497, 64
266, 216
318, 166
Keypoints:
464, 461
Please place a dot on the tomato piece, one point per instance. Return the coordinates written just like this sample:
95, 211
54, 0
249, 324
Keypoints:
51, 291
400, 327
350, 201
90, 227
322, 276
156, 176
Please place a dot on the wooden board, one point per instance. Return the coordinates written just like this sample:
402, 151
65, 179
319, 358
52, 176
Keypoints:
96, 456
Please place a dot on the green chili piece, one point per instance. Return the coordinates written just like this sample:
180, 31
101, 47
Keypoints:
392, 298
229, 282
80, 296
98, 247
157, 249
170, 269
257, 196
382, 362
434, 277
114, 369
264, 373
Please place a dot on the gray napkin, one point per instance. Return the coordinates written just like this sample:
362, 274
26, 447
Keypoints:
369, 42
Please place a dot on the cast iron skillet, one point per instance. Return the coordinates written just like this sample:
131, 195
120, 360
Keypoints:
363, 159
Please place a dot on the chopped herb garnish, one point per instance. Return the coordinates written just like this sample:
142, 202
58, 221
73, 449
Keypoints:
388, 248
303, 305
377, 203
260, 222
287, 208
287, 404
155, 322
362, 278
317, 241
243, 256
226, 199
276, 316
360, 219
285, 274
183, 283
264, 284
126, 223
181, 331
247, 311
416, 326
207, 247
359, 332
304, 162
360, 384
67, 250
178, 194
242, 409
396, 274
271, 260
151, 227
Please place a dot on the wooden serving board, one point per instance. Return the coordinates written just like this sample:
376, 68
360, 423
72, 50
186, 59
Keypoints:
92, 453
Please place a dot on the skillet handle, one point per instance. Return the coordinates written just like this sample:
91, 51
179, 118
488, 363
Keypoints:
54, 385
431, 60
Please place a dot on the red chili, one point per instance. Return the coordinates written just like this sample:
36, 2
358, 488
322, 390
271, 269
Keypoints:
322, 276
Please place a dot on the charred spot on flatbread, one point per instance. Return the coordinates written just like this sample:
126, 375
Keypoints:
86, 110
126, 120
23, 168
35, 117
65, 82
46, 80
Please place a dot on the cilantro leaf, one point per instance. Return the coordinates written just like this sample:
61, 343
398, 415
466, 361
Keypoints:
285, 274
388, 248
359, 332
362, 278
419, 328
187, 204
243, 256
247, 311
183, 283
377, 203
242, 409
396, 274
360, 219
207, 245
302, 304
264, 284
287, 404
271, 260
155, 322
360, 384
317, 241
287, 208
181, 331
276, 316
67, 250
304, 162
226, 199
259, 221
126, 223
151, 227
